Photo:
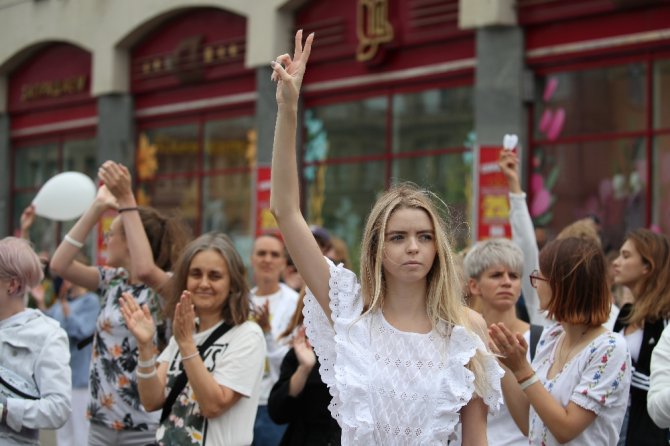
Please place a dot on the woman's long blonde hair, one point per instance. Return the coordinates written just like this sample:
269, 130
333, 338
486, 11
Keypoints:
444, 298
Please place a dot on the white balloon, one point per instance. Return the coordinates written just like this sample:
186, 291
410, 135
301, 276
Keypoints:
510, 142
65, 196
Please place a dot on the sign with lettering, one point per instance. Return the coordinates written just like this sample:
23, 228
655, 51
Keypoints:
373, 28
492, 206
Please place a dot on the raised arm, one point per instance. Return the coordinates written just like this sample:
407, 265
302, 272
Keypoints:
63, 263
285, 195
117, 180
523, 233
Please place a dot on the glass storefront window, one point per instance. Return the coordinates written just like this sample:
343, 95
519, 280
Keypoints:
432, 119
34, 165
214, 196
604, 178
80, 155
339, 198
351, 129
230, 143
601, 100
351, 155
177, 148
662, 94
661, 166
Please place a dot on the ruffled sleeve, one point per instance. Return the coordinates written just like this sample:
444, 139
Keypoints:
343, 350
605, 379
458, 383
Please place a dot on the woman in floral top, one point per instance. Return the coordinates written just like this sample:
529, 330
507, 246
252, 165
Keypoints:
141, 246
218, 404
576, 391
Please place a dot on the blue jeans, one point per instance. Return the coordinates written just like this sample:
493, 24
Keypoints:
266, 431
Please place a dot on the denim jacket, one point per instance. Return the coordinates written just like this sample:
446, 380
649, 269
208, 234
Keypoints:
34, 353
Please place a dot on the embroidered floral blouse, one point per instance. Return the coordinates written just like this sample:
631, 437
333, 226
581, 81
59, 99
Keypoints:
597, 379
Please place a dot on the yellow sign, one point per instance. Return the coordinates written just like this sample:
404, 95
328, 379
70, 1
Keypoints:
373, 28
53, 89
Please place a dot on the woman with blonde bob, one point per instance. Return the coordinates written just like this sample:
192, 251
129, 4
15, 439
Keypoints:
409, 367
209, 301
35, 378
576, 390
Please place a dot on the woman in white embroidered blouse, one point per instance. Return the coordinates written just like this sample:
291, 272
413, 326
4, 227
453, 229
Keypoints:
576, 391
397, 351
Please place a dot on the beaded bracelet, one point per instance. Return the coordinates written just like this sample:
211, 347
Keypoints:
77, 244
148, 363
192, 355
141, 375
529, 382
120, 210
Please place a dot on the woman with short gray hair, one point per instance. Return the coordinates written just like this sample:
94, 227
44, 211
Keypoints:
493, 269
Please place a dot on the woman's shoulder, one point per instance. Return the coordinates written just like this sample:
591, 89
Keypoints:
248, 328
611, 342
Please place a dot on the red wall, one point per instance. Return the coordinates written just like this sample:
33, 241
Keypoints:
51, 66
214, 28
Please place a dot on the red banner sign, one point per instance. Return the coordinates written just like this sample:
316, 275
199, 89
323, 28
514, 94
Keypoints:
492, 210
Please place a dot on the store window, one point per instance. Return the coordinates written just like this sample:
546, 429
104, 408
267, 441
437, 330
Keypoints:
34, 164
599, 144
203, 170
354, 150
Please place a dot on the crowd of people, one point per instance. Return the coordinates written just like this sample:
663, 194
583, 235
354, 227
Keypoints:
167, 343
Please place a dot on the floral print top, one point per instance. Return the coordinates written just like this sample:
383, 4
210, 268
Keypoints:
114, 399
596, 379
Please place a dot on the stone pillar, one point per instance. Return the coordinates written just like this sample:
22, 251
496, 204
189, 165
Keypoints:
499, 85
5, 187
116, 129
266, 114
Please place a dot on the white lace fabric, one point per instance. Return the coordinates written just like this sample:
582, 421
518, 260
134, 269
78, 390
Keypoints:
392, 387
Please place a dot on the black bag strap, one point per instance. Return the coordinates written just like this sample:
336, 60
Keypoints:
182, 379
535, 334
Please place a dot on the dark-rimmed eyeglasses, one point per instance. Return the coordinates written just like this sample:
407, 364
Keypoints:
534, 277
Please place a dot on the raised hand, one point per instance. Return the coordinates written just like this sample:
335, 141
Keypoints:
183, 323
303, 349
262, 315
511, 347
288, 73
138, 319
27, 220
509, 165
117, 179
105, 198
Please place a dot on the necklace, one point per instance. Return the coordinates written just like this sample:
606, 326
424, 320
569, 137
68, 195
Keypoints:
565, 357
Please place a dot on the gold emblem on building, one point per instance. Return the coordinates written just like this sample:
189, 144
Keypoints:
373, 28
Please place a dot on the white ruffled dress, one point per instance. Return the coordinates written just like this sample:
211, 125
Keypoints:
391, 387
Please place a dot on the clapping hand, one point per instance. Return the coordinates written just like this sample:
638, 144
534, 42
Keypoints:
511, 348
117, 180
183, 323
288, 73
262, 315
138, 319
303, 349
